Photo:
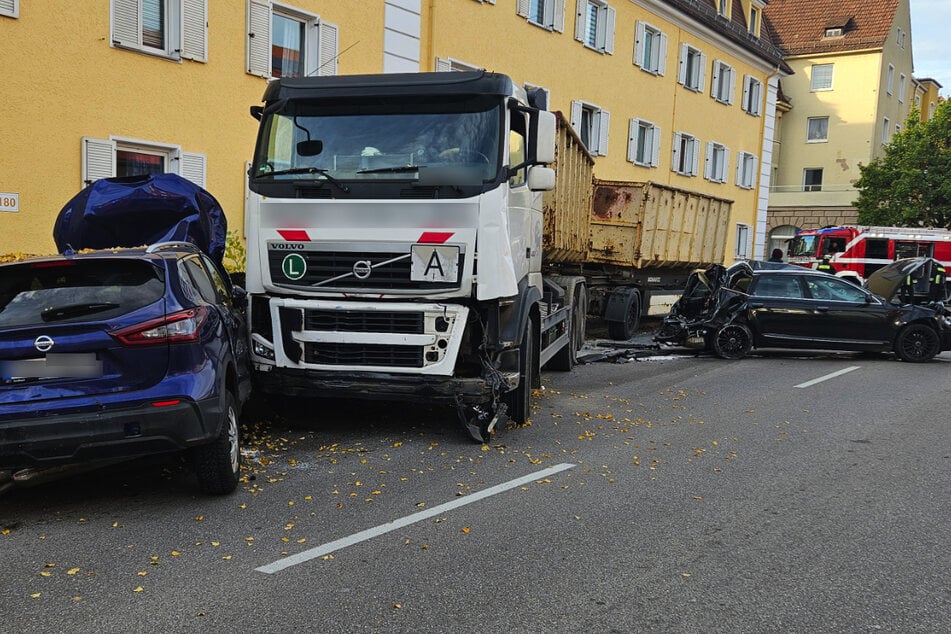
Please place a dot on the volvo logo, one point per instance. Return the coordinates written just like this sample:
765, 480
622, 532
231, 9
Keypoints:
43, 343
362, 269
287, 246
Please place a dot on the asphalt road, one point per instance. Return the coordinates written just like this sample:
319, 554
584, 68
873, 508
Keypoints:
780, 493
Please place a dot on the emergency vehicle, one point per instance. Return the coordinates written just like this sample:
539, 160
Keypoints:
855, 252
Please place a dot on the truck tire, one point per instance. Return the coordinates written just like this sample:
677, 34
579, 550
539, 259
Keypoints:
626, 328
519, 400
566, 358
217, 464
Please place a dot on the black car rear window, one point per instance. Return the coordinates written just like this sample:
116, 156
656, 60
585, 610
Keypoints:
76, 290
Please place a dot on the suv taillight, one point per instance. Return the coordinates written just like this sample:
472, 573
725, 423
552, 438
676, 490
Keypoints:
183, 326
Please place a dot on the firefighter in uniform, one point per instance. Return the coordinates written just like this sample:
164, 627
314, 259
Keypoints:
825, 265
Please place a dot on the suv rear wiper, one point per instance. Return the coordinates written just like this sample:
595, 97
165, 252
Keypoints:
307, 170
75, 310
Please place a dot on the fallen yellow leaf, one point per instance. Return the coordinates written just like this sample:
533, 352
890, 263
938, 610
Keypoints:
138, 589
72, 571
465, 529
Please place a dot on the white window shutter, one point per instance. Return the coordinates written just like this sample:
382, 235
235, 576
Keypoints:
443, 65
522, 7
749, 242
695, 146
708, 162
682, 69
576, 116
746, 92
99, 159
195, 30
632, 139
580, 20
662, 58
259, 38
731, 77
604, 127
609, 30
655, 146
757, 97
739, 168
125, 23
639, 44
327, 49
558, 16
10, 8
724, 165
702, 74
754, 165
714, 77
193, 166
675, 164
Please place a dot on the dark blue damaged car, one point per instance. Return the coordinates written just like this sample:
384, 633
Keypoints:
110, 354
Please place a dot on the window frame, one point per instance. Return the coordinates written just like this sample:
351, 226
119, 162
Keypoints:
685, 159
813, 76
890, 80
886, 130
99, 158
320, 45
743, 246
901, 87
746, 163
692, 70
651, 136
185, 29
657, 63
599, 121
752, 96
813, 186
809, 130
717, 83
10, 8
553, 14
716, 162
604, 20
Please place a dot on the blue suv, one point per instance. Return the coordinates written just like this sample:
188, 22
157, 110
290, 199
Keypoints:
114, 354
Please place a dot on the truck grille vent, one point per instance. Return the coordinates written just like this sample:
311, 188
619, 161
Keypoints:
420, 192
325, 265
313, 192
358, 321
364, 354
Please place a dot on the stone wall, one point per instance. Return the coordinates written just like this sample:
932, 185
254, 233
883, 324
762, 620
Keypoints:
810, 217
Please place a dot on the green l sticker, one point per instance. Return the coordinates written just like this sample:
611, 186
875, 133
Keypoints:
294, 266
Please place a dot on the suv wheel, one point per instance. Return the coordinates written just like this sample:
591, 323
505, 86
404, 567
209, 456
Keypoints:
217, 464
733, 341
917, 343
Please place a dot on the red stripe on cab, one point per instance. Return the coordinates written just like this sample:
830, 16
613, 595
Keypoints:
294, 235
434, 237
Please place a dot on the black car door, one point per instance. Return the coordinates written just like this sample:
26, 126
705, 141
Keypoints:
848, 317
778, 311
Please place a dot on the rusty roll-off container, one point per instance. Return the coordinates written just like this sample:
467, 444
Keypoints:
647, 226
567, 208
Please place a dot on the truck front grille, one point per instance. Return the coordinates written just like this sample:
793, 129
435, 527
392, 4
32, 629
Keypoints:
364, 354
363, 321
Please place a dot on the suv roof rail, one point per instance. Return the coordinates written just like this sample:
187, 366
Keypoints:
163, 246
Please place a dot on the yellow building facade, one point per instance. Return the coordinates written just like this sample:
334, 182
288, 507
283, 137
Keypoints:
678, 92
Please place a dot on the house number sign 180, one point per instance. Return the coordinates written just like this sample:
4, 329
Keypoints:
9, 202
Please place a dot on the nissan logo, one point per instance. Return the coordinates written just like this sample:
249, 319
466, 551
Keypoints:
43, 343
362, 269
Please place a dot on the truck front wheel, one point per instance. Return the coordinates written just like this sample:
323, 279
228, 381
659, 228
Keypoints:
519, 400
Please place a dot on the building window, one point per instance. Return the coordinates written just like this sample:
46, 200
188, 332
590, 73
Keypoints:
686, 157
721, 87
723, 8
716, 163
650, 48
886, 130
901, 88
901, 38
744, 241
10, 8
754, 22
548, 14
176, 29
286, 42
692, 68
745, 170
822, 77
817, 129
890, 80
812, 179
594, 26
592, 125
643, 146
445, 65
752, 95
105, 158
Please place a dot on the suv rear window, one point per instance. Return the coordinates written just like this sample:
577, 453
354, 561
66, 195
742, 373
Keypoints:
76, 290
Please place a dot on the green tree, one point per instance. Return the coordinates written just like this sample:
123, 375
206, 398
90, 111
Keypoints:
911, 184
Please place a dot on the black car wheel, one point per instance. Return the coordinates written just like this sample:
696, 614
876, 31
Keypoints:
519, 400
217, 464
917, 343
733, 341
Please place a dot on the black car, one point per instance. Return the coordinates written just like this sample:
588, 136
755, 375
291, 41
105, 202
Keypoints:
753, 304
111, 351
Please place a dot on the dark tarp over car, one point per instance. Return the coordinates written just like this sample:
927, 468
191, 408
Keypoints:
140, 210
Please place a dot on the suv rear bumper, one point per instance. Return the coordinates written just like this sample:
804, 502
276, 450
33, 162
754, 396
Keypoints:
70, 438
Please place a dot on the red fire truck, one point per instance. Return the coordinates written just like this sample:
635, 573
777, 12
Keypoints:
857, 252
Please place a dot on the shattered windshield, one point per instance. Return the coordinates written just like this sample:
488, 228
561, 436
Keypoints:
802, 245
371, 140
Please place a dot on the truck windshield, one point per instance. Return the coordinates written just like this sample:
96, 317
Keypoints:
802, 246
369, 140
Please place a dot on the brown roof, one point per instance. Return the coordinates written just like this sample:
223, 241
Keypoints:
798, 26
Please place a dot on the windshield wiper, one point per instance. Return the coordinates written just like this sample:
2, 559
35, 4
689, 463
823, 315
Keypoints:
75, 310
395, 169
307, 170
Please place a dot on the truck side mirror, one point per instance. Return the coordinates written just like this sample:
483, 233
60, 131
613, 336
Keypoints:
544, 134
541, 179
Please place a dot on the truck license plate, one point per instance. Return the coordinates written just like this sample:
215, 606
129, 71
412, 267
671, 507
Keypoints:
433, 263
